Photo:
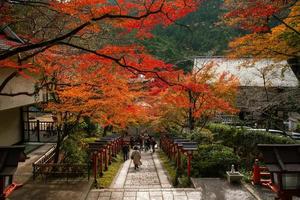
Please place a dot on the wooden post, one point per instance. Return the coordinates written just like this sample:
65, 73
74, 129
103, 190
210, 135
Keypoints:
28, 123
105, 158
178, 158
189, 155
256, 173
95, 168
100, 163
110, 154
114, 148
2, 195
120, 142
118, 145
38, 130
174, 151
169, 149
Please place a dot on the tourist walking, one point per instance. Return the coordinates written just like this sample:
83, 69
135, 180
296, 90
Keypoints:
141, 141
153, 143
136, 157
147, 144
125, 150
131, 142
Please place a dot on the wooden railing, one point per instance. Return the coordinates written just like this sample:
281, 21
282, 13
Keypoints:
37, 131
44, 159
45, 167
54, 170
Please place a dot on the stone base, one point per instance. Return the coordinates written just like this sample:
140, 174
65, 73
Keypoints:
234, 177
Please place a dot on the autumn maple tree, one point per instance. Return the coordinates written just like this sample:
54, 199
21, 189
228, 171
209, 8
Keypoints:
273, 33
197, 97
273, 25
86, 56
63, 39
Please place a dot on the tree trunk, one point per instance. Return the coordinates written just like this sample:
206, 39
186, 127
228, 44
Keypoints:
106, 129
58, 144
191, 119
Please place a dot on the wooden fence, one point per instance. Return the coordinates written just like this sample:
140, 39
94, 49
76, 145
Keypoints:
45, 167
54, 170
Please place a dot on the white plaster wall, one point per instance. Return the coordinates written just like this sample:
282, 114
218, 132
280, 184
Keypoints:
10, 127
17, 84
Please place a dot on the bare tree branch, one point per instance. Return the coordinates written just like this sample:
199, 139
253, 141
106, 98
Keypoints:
73, 32
288, 26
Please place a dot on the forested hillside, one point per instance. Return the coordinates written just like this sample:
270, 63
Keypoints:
199, 33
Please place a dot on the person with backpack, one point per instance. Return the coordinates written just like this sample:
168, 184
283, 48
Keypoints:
136, 157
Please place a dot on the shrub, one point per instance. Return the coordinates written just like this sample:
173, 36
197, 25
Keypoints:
74, 149
213, 160
201, 136
298, 128
244, 142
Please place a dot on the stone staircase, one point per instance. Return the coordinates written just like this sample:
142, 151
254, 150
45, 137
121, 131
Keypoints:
145, 194
150, 182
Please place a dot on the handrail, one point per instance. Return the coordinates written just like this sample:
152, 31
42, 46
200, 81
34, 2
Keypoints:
49, 152
45, 158
62, 169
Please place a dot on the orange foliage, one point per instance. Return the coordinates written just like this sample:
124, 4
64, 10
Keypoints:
92, 87
100, 79
280, 42
202, 92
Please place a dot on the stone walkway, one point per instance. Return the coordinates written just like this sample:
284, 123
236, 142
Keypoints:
146, 194
151, 183
149, 175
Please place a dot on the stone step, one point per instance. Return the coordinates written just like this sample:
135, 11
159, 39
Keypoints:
145, 194
265, 174
142, 189
264, 180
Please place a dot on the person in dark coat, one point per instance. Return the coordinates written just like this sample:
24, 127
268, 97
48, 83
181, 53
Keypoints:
147, 144
125, 150
131, 141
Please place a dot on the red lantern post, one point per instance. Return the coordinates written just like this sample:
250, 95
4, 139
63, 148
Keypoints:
95, 167
189, 155
105, 158
256, 173
109, 153
178, 158
100, 163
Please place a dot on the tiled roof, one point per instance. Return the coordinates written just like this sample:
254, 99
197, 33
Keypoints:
252, 74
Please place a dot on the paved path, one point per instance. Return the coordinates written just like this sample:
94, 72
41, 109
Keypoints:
151, 183
149, 175
146, 194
